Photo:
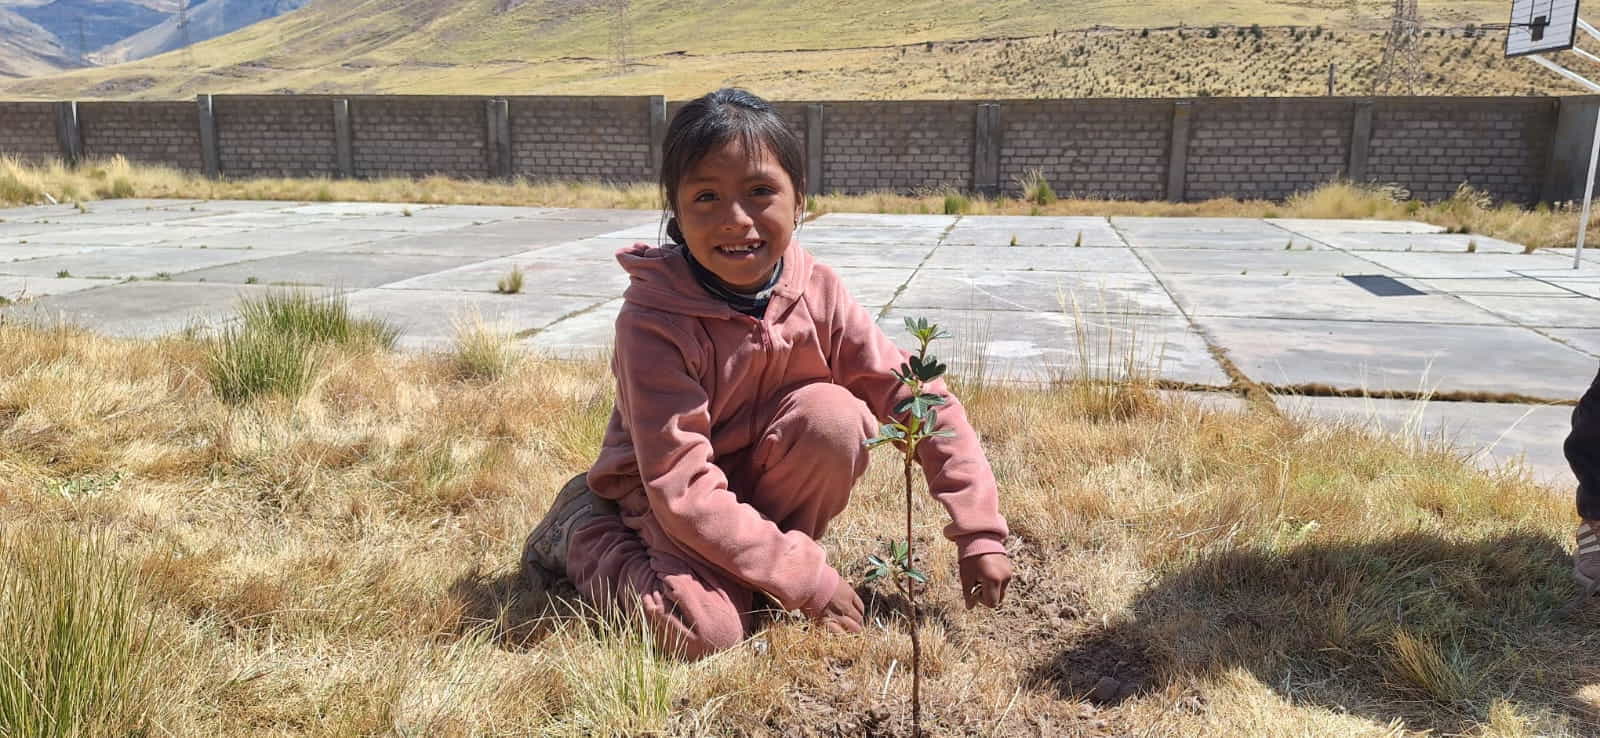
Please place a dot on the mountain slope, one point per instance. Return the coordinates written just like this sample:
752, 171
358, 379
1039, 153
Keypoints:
210, 20
28, 50
815, 48
92, 23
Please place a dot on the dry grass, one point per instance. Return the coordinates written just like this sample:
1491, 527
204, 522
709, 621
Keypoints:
1469, 211
344, 563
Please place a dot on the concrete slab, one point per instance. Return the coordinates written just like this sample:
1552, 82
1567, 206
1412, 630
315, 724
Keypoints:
227, 206
1489, 435
1426, 265
1314, 226
1444, 242
1220, 402
142, 309
406, 224
1073, 222
21, 289
1586, 340
482, 213
324, 268
542, 231
1490, 286
1037, 292
874, 289
654, 232
11, 229
1019, 258
876, 220
1588, 286
1220, 261
123, 205
1279, 241
562, 273
1011, 346
1570, 311
132, 235
813, 233
26, 251
355, 209
862, 255
621, 218
1161, 225
1100, 235
132, 216
263, 220
443, 244
431, 320
589, 333
143, 262
1405, 357
1313, 298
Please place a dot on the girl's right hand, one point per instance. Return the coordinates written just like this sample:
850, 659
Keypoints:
844, 612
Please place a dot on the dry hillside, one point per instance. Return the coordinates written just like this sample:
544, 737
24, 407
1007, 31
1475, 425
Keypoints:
816, 49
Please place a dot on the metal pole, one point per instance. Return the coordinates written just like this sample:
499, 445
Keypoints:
1331, 68
1588, 193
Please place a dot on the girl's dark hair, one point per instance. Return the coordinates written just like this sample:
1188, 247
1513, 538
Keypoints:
729, 114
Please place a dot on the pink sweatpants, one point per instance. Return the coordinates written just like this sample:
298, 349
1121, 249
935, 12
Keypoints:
798, 475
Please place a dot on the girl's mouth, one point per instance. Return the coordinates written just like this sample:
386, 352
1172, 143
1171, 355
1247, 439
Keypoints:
741, 249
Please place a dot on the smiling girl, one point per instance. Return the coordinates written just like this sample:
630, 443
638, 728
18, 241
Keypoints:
747, 380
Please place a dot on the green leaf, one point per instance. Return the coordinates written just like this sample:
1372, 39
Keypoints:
898, 550
917, 575
926, 369
943, 434
933, 416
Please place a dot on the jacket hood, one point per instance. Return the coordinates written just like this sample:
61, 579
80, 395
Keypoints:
659, 278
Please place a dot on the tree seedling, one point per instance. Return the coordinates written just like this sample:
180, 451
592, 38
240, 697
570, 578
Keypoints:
1078, 243
912, 421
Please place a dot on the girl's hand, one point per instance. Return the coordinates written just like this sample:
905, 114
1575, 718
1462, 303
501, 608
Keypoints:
844, 612
984, 579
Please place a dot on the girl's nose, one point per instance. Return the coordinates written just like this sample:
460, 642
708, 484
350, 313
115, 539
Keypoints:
737, 217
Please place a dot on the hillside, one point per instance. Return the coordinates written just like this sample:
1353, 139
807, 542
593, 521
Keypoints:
809, 48
81, 26
210, 20
27, 49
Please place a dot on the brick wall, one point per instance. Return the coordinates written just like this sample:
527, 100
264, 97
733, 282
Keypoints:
275, 136
165, 133
28, 131
399, 136
1266, 148
585, 138
1432, 146
1092, 148
900, 146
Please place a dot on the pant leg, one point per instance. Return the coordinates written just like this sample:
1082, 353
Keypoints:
622, 561
798, 474
1583, 451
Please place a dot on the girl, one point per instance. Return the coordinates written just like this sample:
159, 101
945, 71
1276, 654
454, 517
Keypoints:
747, 381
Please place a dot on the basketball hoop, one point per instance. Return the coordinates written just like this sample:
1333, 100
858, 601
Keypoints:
1549, 26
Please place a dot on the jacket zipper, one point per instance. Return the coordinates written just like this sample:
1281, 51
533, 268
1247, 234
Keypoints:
761, 380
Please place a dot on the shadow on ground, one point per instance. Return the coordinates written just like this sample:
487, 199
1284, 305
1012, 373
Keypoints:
1416, 628
519, 608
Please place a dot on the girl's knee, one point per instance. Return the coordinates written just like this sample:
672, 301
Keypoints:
825, 419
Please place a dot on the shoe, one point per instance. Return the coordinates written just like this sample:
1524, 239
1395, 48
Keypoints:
547, 544
1586, 560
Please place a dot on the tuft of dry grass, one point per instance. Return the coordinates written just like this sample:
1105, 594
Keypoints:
346, 564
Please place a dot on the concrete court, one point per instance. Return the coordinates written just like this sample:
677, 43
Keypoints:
1028, 297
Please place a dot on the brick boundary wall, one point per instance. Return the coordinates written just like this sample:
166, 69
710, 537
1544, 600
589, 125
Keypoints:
1091, 148
604, 139
1268, 149
394, 136
275, 136
165, 133
1515, 148
1497, 144
28, 131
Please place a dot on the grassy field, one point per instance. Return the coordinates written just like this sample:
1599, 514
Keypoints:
288, 529
820, 49
1467, 212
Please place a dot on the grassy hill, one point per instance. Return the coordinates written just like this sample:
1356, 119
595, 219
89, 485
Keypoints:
815, 49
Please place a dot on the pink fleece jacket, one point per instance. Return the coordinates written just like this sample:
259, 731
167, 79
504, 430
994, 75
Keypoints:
696, 381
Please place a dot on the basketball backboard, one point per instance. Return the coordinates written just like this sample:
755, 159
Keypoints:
1540, 26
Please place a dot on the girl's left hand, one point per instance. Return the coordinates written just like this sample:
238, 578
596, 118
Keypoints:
984, 579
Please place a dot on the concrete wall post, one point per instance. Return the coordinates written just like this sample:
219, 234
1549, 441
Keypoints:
69, 136
657, 105
986, 150
814, 181
498, 135
1360, 141
343, 139
1569, 148
210, 155
1178, 158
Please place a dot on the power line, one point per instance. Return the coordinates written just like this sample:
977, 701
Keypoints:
1402, 62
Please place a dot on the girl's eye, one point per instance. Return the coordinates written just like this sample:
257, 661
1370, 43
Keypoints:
705, 197
764, 190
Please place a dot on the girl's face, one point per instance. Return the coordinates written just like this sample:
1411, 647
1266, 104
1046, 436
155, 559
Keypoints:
737, 212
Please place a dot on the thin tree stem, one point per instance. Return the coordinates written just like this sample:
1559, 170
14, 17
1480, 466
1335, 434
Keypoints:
911, 608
